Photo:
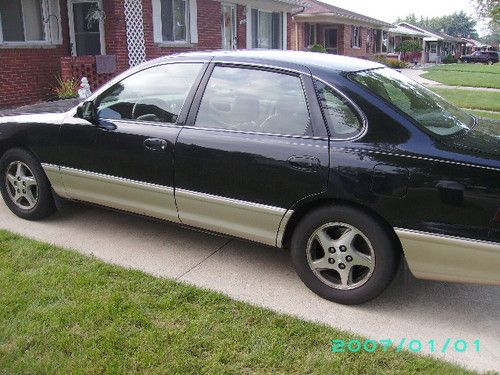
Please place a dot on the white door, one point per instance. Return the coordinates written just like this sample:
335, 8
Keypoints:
229, 38
433, 52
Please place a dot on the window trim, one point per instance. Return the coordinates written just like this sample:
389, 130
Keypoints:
191, 26
357, 109
71, 25
356, 41
196, 103
51, 22
284, 25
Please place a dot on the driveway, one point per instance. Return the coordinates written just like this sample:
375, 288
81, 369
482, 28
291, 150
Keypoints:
264, 276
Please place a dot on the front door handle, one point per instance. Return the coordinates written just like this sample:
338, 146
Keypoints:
305, 163
155, 144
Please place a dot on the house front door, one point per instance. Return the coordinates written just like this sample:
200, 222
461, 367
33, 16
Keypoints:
86, 27
331, 44
229, 38
433, 52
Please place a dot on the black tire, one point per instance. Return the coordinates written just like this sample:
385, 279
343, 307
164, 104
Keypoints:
489, 62
385, 249
44, 205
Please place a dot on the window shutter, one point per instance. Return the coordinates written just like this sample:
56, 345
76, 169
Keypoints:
54, 16
193, 21
255, 28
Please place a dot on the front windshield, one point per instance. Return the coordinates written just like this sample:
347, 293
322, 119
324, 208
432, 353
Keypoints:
425, 107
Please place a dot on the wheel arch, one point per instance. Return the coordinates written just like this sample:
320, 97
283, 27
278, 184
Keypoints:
310, 206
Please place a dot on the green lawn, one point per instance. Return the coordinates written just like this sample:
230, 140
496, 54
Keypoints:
64, 313
472, 75
489, 115
472, 99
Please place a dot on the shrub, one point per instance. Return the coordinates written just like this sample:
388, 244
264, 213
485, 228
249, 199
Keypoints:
396, 64
318, 48
66, 88
449, 59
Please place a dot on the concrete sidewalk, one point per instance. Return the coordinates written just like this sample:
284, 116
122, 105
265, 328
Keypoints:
410, 308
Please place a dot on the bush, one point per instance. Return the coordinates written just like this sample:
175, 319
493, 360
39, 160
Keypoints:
318, 48
391, 63
67, 88
396, 64
409, 46
449, 59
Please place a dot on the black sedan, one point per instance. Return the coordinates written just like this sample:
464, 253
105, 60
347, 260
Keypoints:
484, 57
347, 163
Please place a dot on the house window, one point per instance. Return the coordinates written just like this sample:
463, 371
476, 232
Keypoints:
356, 37
22, 21
267, 29
86, 25
174, 20
311, 34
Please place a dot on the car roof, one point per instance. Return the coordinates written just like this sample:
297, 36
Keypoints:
297, 60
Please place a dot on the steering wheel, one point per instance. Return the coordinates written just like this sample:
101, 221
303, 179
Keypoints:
148, 101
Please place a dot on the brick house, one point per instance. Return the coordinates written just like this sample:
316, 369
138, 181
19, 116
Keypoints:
339, 30
41, 39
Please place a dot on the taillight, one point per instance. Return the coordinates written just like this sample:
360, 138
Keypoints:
496, 219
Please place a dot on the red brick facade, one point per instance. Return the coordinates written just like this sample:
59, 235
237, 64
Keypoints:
29, 74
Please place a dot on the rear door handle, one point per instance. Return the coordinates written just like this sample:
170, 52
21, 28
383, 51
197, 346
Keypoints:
155, 144
305, 163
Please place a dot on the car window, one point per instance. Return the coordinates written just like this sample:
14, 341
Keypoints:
343, 120
254, 100
155, 94
422, 105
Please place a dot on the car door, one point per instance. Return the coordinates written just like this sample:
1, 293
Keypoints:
125, 160
254, 145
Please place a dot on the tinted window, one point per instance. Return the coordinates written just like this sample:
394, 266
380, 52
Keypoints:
155, 94
254, 100
343, 120
422, 105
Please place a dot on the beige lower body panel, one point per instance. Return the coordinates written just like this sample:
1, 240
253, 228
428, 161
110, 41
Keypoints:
439, 257
123, 194
237, 218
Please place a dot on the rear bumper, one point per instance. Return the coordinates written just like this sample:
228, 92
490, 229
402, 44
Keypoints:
439, 257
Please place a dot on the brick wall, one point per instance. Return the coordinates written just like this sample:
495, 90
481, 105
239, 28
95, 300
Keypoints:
29, 75
209, 30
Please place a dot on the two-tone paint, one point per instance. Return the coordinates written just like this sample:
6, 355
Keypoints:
441, 196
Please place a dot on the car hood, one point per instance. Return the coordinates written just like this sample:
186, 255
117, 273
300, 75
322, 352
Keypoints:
39, 118
59, 106
482, 140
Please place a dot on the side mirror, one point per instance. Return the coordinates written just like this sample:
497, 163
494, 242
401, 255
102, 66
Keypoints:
88, 111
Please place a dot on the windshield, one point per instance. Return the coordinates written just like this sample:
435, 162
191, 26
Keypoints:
425, 107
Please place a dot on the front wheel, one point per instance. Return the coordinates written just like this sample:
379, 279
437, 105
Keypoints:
24, 185
344, 255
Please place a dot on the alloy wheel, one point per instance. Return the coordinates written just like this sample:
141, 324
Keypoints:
22, 186
340, 255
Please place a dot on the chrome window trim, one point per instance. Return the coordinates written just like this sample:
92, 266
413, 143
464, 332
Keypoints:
277, 70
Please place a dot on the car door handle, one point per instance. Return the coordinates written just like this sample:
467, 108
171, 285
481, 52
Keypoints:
155, 144
305, 163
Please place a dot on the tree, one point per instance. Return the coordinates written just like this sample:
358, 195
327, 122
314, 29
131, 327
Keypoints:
458, 24
488, 10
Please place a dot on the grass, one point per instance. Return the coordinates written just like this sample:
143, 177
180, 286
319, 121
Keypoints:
488, 115
471, 75
64, 313
471, 99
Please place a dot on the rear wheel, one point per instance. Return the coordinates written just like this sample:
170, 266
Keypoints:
24, 186
344, 255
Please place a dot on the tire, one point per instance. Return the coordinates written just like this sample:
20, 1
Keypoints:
24, 185
489, 62
358, 243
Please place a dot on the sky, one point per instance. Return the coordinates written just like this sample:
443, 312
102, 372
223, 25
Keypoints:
390, 10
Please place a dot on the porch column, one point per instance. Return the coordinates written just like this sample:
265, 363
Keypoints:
135, 32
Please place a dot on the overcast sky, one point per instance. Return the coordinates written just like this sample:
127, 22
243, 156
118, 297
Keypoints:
390, 10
